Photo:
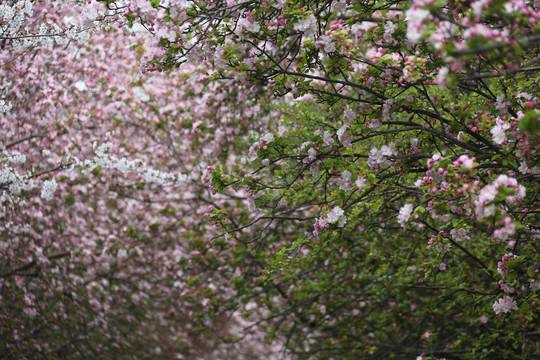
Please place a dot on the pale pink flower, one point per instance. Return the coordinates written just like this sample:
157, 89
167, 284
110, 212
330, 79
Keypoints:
345, 183
501, 268
336, 215
442, 77
360, 183
268, 138
404, 214
344, 138
504, 305
499, 131
349, 115
460, 234
327, 139
312, 155
415, 17
478, 6
389, 29
508, 230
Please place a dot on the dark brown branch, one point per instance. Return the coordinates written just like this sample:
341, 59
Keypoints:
32, 263
23, 139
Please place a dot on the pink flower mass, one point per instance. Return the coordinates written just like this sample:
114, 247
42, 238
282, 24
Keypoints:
504, 305
269, 179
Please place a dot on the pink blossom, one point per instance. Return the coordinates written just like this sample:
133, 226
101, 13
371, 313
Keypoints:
344, 138
307, 25
502, 105
336, 215
360, 183
311, 156
207, 176
508, 230
327, 138
483, 203
389, 29
501, 268
534, 285
478, 6
404, 214
247, 24
504, 305
345, 183
415, 17
268, 138
349, 115
386, 108
460, 234
499, 131
442, 77
465, 161
504, 287
378, 158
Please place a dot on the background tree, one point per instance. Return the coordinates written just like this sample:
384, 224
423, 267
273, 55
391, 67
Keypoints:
102, 205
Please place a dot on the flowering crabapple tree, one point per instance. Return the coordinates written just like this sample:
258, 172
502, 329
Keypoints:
402, 184
305, 179
105, 249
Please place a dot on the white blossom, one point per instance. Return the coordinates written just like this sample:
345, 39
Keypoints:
504, 305
268, 138
460, 234
337, 215
404, 214
360, 183
499, 131
345, 183
415, 16
327, 138
48, 189
5, 107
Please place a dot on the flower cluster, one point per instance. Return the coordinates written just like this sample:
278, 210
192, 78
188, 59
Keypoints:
360, 183
260, 144
434, 242
345, 183
379, 158
499, 131
484, 203
5, 106
10, 177
48, 189
125, 165
504, 305
460, 234
501, 268
508, 229
343, 137
504, 287
404, 214
416, 15
465, 161
337, 215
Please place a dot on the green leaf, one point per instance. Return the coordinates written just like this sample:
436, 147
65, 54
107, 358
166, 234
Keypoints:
530, 122
419, 209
